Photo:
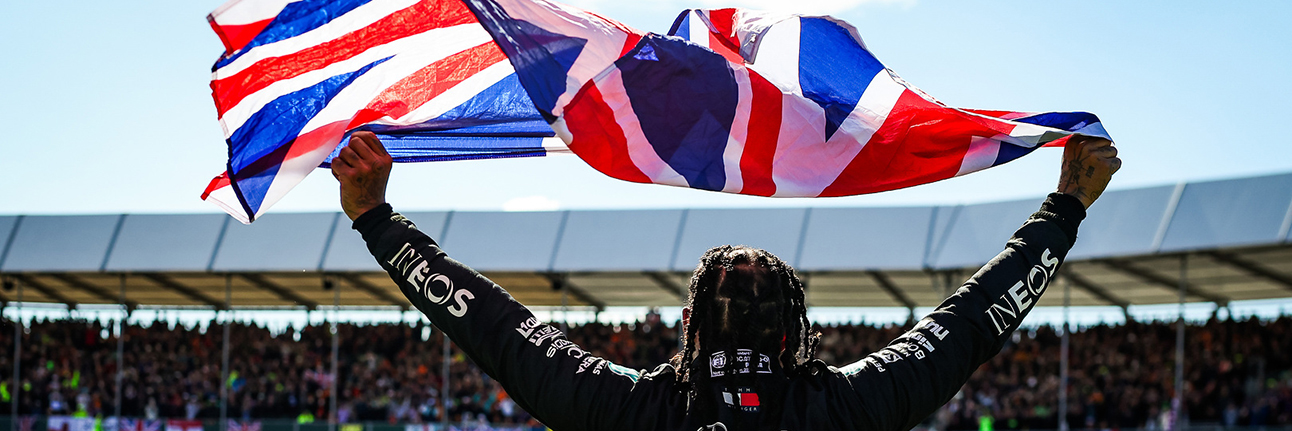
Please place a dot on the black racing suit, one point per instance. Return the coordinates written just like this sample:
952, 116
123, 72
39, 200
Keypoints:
567, 388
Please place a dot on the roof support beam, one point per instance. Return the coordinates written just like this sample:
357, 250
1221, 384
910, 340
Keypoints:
90, 288
1095, 289
45, 290
282, 292
669, 284
887, 284
562, 281
1164, 281
1252, 268
191, 293
376, 292
946, 283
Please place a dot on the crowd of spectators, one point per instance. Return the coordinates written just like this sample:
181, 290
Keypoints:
1238, 373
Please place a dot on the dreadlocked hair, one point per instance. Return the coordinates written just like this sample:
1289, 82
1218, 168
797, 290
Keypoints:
800, 340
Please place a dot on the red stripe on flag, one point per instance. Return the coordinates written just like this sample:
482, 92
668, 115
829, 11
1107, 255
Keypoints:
1061, 142
724, 21
632, 35
419, 18
920, 142
328, 134
629, 43
724, 41
597, 138
1004, 128
217, 183
721, 46
616, 24
1008, 115
428, 83
760, 145
237, 36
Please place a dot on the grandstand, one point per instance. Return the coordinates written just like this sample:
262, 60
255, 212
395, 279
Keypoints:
1213, 242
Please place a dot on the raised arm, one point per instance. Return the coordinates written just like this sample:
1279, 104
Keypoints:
901, 384
553, 379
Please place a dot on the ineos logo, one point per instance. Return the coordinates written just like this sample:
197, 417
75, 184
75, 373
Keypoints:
1039, 278
459, 297
1023, 294
448, 289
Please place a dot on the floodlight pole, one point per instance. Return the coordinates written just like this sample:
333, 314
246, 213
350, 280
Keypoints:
565, 309
121, 348
336, 377
224, 360
1063, 356
1177, 403
444, 383
16, 387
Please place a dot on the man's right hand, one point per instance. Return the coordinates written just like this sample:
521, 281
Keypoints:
1088, 164
362, 168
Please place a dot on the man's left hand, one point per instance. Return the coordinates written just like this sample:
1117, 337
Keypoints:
363, 169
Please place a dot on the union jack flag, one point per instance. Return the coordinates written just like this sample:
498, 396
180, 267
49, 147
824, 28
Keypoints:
750, 102
731, 100
298, 76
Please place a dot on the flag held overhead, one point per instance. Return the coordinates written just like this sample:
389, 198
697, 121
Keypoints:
297, 77
731, 100
750, 102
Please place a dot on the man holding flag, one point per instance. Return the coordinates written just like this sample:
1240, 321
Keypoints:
731, 100
748, 360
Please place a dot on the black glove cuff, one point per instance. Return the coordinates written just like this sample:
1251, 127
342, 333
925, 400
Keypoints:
373, 218
1065, 211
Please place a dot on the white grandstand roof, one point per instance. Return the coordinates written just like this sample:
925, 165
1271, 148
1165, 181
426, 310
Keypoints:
1233, 233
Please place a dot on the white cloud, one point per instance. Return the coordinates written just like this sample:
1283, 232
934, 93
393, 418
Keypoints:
531, 203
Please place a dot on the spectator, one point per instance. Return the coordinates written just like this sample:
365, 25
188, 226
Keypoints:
1238, 373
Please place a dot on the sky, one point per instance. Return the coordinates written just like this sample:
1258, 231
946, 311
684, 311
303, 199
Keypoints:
106, 106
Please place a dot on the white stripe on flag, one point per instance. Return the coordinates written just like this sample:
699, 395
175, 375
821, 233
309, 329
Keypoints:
429, 47
739, 131
1027, 135
699, 28
640, 151
293, 170
981, 154
805, 163
556, 145
749, 25
603, 40
365, 88
341, 109
779, 51
224, 198
453, 97
356, 19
